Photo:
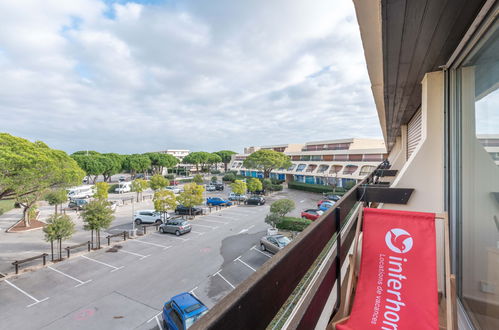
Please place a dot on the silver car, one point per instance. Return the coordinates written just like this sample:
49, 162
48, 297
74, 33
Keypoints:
273, 243
175, 226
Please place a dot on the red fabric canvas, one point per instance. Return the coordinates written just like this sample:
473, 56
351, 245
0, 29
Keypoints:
397, 287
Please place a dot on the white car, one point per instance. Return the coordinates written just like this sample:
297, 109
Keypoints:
176, 190
236, 197
211, 187
148, 216
81, 192
123, 187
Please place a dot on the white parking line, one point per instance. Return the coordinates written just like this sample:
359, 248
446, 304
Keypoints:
239, 259
103, 263
223, 278
155, 317
197, 232
265, 254
302, 201
135, 254
196, 224
27, 294
192, 291
214, 221
246, 229
153, 244
69, 276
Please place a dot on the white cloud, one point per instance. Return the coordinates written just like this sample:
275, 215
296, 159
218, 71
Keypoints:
193, 74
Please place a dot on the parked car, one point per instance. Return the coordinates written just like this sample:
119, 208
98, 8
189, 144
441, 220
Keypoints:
176, 190
210, 187
214, 201
324, 201
121, 178
148, 216
218, 186
236, 197
182, 311
311, 214
326, 205
123, 187
175, 226
175, 182
255, 200
273, 243
81, 192
188, 211
77, 204
333, 198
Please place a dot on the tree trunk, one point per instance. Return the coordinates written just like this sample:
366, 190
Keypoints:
52, 249
92, 237
98, 238
55, 209
225, 166
26, 217
94, 179
60, 249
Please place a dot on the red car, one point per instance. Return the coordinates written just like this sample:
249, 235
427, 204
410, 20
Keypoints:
323, 201
311, 214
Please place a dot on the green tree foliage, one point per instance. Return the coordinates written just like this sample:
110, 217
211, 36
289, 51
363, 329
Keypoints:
136, 164
267, 184
92, 164
273, 219
198, 178
214, 159
158, 182
226, 156
231, 177
101, 190
267, 160
28, 169
97, 215
59, 227
56, 197
138, 186
192, 195
113, 164
214, 179
197, 158
254, 184
238, 187
282, 207
159, 161
164, 200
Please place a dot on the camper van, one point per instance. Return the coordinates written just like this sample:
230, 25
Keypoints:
81, 192
123, 187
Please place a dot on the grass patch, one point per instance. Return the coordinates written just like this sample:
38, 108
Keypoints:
6, 205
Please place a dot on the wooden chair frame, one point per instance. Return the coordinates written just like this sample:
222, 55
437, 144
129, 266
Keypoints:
450, 279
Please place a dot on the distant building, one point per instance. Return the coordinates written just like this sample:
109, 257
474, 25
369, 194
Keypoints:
179, 153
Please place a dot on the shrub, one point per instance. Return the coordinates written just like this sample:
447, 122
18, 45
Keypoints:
294, 224
276, 181
112, 188
229, 177
170, 176
275, 187
185, 180
315, 188
215, 172
282, 207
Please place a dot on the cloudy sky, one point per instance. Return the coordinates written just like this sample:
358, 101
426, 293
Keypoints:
137, 76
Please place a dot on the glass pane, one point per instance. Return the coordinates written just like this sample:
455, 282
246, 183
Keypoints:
479, 95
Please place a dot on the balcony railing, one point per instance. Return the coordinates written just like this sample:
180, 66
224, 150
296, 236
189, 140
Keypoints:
255, 302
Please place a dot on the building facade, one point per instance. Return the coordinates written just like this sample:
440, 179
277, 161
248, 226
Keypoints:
330, 162
178, 153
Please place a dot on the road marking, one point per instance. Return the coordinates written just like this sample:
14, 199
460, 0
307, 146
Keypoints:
257, 250
246, 229
223, 278
192, 292
197, 232
196, 224
239, 259
103, 263
135, 254
155, 317
153, 244
27, 294
69, 276
214, 221
302, 201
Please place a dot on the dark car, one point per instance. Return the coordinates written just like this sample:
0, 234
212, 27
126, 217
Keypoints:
218, 186
255, 200
182, 311
311, 214
77, 204
175, 226
333, 198
188, 211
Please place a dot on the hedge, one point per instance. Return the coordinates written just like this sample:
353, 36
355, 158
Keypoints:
294, 224
185, 180
318, 188
112, 188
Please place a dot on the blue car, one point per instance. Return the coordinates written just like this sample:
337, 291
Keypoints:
182, 311
325, 206
214, 201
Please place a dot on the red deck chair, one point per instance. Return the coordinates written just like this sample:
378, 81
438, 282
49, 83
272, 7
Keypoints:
397, 282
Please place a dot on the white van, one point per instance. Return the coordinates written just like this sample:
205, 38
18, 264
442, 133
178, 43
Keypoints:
123, 187
81, 192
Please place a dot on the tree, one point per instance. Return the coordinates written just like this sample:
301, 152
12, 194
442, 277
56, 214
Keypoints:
136, 164
282, 207
273, 219
159, 161
267, 160
226, 156
238, 187
112, 163
214, 159
28, 169
56, 197
267, 184
254, 185
192, 195
214, 179
158, 182
139, 185
197, 158
59, 227
164, 200
229, 177
198, 178
97, 215
101, 190
93, 164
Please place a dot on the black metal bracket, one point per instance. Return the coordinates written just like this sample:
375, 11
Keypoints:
337, 219
377, 194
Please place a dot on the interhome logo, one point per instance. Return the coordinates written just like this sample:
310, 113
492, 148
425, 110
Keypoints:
399, 241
